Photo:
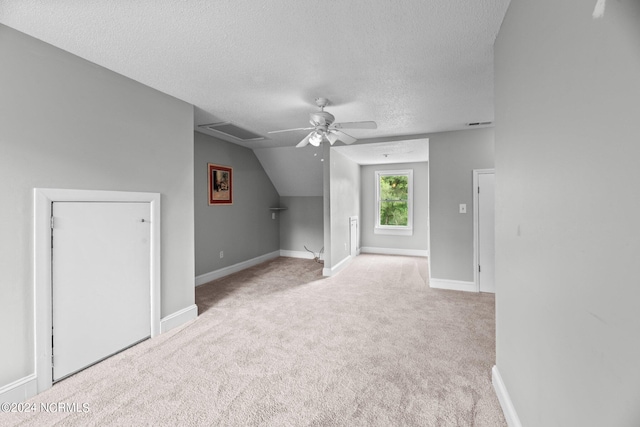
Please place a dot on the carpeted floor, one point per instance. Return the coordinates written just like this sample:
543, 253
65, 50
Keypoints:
279, 345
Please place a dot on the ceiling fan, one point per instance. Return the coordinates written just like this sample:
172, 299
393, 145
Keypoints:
324, 127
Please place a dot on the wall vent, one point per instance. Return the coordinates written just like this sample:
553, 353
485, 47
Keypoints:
234, 131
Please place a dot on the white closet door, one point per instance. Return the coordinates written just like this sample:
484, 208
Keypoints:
100, 281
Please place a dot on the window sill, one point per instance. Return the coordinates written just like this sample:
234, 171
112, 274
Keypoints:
393, 231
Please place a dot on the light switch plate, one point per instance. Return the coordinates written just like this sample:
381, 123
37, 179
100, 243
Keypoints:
463, 208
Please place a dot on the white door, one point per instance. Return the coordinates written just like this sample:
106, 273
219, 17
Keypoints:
100, 281
486, 232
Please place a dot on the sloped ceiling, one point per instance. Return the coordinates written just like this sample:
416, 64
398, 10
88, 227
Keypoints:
293, 171
414, 66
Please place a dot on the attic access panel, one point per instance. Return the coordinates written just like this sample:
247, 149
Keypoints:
234, 131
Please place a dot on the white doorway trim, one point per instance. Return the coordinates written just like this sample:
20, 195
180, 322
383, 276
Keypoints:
476, 228
354, 236
43, 198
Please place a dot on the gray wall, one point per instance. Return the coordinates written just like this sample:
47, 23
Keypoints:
68, 123
420, 238
567, 212
345, 202
452, 158
243, 230
301, 224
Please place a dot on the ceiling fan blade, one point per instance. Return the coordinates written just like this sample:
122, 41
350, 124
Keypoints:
332, 137
305, 141
355, 125
289, 130
347, 139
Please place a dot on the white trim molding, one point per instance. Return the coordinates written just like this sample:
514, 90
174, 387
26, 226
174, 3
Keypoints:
178, 318
225, 271
503, 397
397, 231
19, 390
452, 285
43, 200
394, 251
476, 224
336, 268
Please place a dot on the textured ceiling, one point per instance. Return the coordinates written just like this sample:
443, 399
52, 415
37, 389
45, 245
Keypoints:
413, 66
380, 153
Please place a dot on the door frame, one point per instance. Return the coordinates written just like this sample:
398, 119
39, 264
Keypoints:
356, 252
42, 202
476, 224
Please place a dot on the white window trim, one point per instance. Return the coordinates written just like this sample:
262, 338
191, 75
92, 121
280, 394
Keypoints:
394, 230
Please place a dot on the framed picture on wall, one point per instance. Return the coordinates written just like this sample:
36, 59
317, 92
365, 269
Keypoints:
220, 185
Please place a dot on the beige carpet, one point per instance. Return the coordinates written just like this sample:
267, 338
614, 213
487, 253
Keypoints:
278, 345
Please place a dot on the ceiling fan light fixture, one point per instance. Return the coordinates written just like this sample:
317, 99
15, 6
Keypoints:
315, 139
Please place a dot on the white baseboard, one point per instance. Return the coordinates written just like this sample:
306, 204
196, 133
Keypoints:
453, 285
296, 254
216, 274
394, 251
505, 401
20, 390
178, 318
339, 266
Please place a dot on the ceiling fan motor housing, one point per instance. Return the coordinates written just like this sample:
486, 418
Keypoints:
321, 118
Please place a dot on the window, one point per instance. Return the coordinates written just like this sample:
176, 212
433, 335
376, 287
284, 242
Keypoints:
394, 202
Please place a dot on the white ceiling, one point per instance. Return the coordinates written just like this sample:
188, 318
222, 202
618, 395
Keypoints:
380, 153
413, 66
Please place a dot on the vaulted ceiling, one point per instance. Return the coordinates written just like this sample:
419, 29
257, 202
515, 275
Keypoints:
413, 66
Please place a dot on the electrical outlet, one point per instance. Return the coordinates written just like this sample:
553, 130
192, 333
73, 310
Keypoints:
463, 208
345, 246
221, 254
273, 215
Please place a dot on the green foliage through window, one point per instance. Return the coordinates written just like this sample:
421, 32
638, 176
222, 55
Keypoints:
394, 195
